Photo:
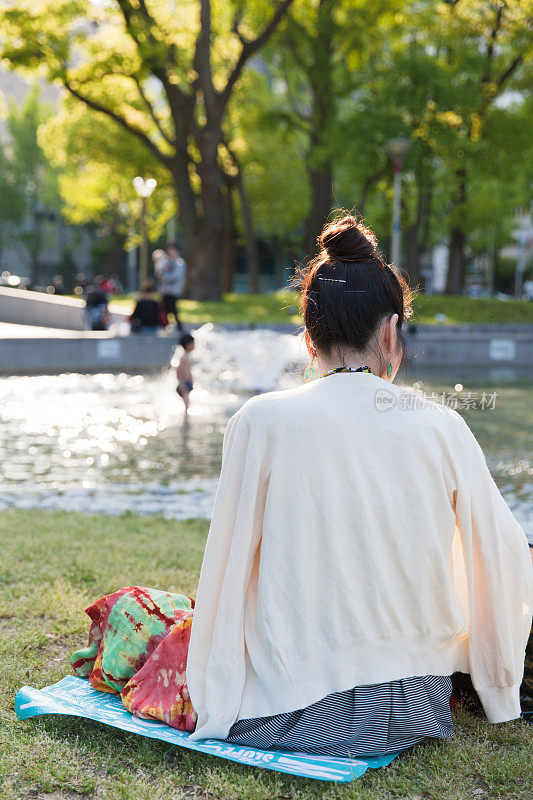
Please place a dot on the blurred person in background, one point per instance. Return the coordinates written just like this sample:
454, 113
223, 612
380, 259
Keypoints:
184, 371
171, 273
81, 283
148, 315
96, 310
159, 258
58, 285
110, 284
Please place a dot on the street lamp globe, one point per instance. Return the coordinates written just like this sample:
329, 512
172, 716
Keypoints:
398, 148
144, 186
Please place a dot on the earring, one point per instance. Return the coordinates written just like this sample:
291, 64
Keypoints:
310, 372
389, 369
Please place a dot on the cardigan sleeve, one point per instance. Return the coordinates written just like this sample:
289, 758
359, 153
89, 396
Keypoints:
500, 586
216, 659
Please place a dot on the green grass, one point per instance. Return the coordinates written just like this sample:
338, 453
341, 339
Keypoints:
465, 310
279, 307
282, 307
53, 564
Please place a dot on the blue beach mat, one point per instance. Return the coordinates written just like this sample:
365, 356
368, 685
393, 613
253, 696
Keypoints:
75, 697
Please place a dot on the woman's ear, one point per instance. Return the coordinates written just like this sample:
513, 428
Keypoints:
390, 335
311, 349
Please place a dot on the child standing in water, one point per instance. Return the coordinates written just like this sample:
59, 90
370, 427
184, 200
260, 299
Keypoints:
184, 370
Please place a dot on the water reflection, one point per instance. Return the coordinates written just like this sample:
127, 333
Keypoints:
504, 428
67, 431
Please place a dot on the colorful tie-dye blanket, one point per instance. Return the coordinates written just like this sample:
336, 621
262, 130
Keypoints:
138, 644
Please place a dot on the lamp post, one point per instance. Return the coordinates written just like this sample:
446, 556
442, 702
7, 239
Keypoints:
397, 149
144, 188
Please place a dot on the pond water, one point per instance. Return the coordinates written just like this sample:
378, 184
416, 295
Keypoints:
112, 443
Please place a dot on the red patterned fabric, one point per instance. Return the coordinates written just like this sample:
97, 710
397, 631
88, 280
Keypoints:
138, 645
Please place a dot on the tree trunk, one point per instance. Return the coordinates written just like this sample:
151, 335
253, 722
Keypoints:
115, 248
456, 262
412, 252
321, 180
181, 177
187, 215
426, 216
320, 168
202, 223
457, 256
228, 250
367, 186
250, 243
209, 239
417, 234
205, 274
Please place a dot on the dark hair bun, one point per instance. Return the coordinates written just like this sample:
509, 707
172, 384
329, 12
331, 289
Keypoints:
349, 288
347, 239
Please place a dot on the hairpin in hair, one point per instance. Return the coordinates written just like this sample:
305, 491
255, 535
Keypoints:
332, 280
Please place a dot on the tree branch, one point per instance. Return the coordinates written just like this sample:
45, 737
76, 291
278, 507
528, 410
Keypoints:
251, 46
252, 255
128, 12
301, 118
237, 19
500, 83
177, 100
163, 158
368, 183
146, 14
202, 58
298, 56
491, 42
513, 66
151, 111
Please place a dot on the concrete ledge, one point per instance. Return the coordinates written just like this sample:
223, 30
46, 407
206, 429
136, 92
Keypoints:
37, 308
48, 352
89, 353
472, 346
452, 345
19, 307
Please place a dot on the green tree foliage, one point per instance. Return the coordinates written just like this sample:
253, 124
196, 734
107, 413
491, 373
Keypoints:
249, 133
12, 202
439, 81
163, 74
97, 161
317, 67
28, 190
270, 150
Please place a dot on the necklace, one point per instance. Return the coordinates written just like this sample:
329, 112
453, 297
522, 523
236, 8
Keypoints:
346, 369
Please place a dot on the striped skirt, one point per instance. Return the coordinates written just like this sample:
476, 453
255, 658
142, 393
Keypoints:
364, 721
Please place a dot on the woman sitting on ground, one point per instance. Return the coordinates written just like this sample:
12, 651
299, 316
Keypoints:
146, 317
359, 551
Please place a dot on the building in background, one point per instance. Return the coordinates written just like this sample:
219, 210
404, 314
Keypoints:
40, 244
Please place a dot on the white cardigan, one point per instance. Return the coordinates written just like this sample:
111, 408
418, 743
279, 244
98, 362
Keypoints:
352, 545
